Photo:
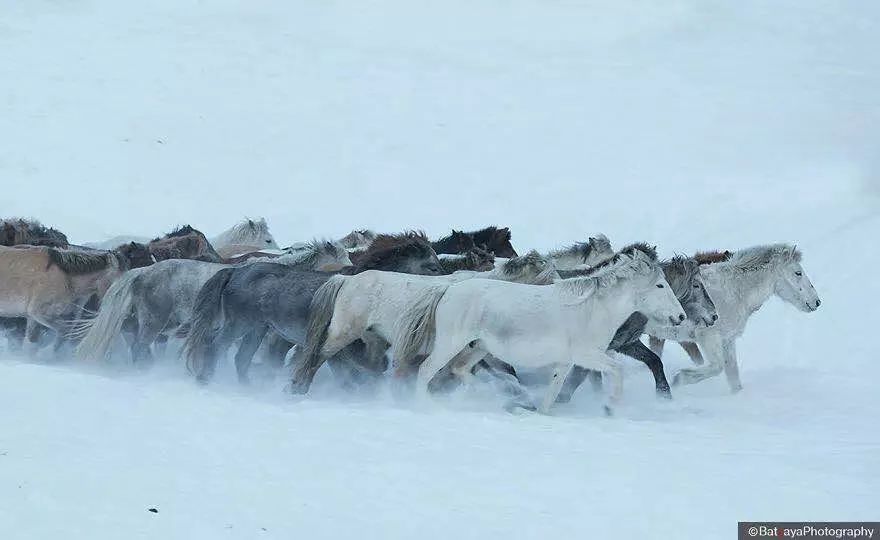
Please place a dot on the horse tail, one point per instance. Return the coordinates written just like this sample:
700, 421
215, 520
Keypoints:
206, 321
320, 314
416, 327
100, 331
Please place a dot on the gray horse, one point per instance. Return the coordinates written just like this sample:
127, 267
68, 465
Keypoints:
246, 302
683, 275
149, 305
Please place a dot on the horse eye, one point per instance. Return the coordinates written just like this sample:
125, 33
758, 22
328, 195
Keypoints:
268, 241
696, 286
659, 285
798, 274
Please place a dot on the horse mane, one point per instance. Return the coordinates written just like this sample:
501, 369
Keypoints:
759, 258
583, 250
712, 257
311, 251
627, 266
179, 232
31, 231
390, 246
350, 240
681, 270
81, 262
515, 265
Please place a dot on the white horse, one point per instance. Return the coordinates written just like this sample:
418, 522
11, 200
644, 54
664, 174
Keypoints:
367, 306
568, 323
739, 286
582, 255
247, 236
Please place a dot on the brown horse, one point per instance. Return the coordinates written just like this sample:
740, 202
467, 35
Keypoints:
184, 243
18, 231
492, 239
49, 287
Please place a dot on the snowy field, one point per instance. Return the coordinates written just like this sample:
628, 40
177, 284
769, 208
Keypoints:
690, 124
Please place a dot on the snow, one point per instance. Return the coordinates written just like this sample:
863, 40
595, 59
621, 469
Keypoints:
692, 124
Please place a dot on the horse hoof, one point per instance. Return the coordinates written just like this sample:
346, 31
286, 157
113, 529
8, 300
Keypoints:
515, 407
664, 393
609, 412
563, 398
296, 389
736, 389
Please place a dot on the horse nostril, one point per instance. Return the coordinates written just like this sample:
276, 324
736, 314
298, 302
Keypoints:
714, 316
818, 302
681, 317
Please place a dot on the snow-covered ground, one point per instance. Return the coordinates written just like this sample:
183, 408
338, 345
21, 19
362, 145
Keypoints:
692, 124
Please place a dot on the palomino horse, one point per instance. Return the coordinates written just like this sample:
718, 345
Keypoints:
740, 283
18, 231
492, 239
568, 323
244, 237
49, 287
245, 302
367, 306
683, 275
151, 302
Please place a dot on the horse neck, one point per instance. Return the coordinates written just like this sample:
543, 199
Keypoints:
94, 282
752, 288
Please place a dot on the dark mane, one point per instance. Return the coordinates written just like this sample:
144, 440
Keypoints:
79, 262
388, 247
712, 257
647, 249
492, 238
30, 231
179, 232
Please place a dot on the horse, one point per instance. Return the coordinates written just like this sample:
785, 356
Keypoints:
492, 239
367, 306
683, 275
148, 303
582, 255
246, 236
49, 286
358, 239
475, 260
184, 243
567, 323
19, 231
740, 283
245, 302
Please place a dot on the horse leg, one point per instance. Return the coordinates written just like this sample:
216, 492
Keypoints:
560, 371
160, 346
612, 368
712, 345
17, 330
442, 354
32, 332
731, 369
575, 378
148, 330
656, 345
504, 379
636, 349
245, 355
693, 351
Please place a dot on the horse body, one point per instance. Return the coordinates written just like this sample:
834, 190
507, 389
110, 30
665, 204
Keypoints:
49, 287
739, 286
568, 323
228, 308
159, 299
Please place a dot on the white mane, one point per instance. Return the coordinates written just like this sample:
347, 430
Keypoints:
759, 258
625, 267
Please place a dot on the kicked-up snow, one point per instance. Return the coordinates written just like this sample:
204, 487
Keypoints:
692, 125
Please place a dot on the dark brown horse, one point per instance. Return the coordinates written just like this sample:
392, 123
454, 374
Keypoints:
18, 231
492, 239
184, 243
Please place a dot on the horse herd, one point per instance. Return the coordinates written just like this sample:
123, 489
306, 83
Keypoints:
463, 309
